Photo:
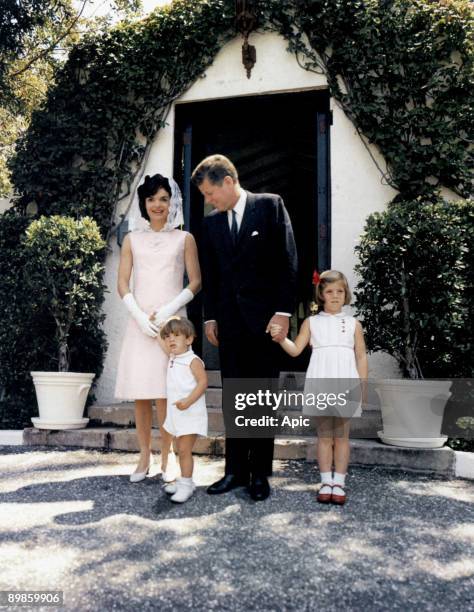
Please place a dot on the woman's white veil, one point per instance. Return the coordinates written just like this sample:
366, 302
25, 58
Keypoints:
175, 215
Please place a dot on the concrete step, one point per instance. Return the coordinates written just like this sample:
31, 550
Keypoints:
123, 415
295, 380
369, 453
214, 378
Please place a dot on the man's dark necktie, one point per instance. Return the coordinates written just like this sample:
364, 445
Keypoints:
234, 230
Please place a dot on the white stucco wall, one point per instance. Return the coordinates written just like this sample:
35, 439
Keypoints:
357, 189
5, 204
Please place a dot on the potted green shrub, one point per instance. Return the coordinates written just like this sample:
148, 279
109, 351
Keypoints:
63, 275
414, 301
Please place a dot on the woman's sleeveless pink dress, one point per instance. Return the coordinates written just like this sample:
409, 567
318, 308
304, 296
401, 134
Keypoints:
158, 272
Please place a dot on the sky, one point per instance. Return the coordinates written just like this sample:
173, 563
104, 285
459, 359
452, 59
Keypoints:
149, 5
101, 7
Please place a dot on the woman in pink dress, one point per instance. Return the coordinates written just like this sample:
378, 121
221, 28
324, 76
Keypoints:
159, 256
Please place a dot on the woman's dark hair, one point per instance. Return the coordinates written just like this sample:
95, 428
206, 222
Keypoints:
150, 186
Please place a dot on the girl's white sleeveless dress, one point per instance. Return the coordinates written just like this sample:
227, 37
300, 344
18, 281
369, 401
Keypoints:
333, 357
158, 275
180, 382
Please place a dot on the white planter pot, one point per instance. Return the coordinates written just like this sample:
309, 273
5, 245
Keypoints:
412, 412
61, 399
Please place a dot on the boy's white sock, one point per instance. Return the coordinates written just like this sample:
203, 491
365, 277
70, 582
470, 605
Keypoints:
172, 487
326, 479
184, 489
339, 483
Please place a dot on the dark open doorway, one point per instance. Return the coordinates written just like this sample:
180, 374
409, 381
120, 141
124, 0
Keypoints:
279, 143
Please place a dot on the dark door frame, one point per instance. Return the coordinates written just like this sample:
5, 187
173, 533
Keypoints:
184, 162
185, 158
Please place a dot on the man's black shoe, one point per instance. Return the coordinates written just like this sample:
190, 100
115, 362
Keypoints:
259, 488
229, 482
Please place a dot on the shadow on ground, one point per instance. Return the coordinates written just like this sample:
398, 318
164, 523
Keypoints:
71, 520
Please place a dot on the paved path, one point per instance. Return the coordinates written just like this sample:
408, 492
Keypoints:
70, 520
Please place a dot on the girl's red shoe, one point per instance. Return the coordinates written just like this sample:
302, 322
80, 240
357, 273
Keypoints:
339, 500
325, 497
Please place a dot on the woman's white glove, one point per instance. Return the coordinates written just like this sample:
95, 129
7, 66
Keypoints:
168, 310
144, 323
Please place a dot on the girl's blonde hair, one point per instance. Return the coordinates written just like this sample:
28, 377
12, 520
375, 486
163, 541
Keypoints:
327, 277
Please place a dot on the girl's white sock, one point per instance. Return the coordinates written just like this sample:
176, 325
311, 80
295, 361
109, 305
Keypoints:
339, 483
326, 479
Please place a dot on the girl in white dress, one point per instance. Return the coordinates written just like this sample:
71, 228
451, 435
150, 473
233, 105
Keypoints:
186, 412
338, 353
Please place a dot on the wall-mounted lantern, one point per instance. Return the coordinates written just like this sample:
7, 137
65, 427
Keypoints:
246, 22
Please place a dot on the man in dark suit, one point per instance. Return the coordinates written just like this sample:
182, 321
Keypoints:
249, 266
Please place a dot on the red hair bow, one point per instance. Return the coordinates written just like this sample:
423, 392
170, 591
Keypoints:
315, 278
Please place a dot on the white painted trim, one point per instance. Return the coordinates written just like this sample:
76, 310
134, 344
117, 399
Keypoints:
464, 465
11, 437
264, 92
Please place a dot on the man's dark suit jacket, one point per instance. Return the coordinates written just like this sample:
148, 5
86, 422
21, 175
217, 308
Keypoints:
258, 275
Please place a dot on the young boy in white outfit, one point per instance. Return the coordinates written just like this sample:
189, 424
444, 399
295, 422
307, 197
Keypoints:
186, 412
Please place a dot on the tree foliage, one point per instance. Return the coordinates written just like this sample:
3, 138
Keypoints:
111, 98
26, 27
63, 275
36, 314
35, 37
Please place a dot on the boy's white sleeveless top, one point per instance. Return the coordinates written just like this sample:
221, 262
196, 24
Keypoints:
180, 382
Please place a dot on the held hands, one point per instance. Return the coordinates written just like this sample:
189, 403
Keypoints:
275, 330
278, 327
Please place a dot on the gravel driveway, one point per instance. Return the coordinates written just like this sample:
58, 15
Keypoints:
71, 521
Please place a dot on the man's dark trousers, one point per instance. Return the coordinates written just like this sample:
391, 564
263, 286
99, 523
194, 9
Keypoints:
244, 354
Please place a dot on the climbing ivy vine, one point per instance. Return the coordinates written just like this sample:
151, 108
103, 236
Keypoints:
402, 70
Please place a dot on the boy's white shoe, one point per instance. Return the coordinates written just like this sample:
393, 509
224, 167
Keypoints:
170, 488
184, 489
